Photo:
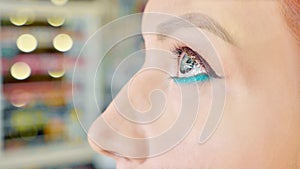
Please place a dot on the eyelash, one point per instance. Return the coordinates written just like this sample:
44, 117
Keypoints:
182, 51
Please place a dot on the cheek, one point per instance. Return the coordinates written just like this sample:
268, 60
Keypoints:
181, 101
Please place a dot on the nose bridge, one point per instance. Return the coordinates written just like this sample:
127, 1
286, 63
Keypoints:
138, 91
133, 99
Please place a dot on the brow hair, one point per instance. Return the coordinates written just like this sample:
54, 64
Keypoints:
291, 12
199, 20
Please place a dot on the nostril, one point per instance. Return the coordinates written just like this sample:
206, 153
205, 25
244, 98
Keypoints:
106, 141
112, 154
98, 149
114, 136
92, 133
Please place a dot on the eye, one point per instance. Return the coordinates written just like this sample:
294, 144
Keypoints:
192, 67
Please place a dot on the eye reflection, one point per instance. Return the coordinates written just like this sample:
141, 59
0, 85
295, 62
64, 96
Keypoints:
192, 67
190, 64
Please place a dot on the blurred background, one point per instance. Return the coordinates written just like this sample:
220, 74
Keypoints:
40, 42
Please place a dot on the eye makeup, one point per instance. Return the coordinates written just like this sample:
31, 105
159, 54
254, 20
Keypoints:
197, 78
192, 67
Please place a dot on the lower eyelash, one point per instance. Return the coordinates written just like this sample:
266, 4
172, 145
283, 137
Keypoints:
192, 79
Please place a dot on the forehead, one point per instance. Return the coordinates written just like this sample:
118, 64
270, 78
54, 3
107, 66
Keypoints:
239, 17
228, 8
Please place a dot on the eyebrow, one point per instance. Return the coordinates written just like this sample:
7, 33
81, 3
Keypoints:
194, 19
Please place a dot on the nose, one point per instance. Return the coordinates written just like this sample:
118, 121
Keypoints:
110, 135
116, 136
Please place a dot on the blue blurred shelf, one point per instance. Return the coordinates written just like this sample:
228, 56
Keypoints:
46, 156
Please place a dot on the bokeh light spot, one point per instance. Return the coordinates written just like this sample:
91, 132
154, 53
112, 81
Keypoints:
56, 73
59, 2
20, 98
18, 20
62, 42
20, 70
56, 21
27, 43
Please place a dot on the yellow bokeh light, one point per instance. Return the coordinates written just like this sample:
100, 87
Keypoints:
18, 20
56, 73
20, 98
22, 17
18, 104
59, 2
27, 43
20, 70
62, 42
56, 21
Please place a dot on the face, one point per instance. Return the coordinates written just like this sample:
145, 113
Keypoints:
244, 46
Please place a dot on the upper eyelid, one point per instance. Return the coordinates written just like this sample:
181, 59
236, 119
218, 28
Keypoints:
190, 51
184, 48
179, 49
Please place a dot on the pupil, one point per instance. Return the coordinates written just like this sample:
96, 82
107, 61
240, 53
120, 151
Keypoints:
187, 64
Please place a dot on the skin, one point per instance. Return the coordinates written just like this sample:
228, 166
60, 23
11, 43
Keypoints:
261, 120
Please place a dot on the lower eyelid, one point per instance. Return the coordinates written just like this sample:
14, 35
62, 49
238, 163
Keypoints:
193, 79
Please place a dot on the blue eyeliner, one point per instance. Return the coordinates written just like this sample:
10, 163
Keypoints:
202, 77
